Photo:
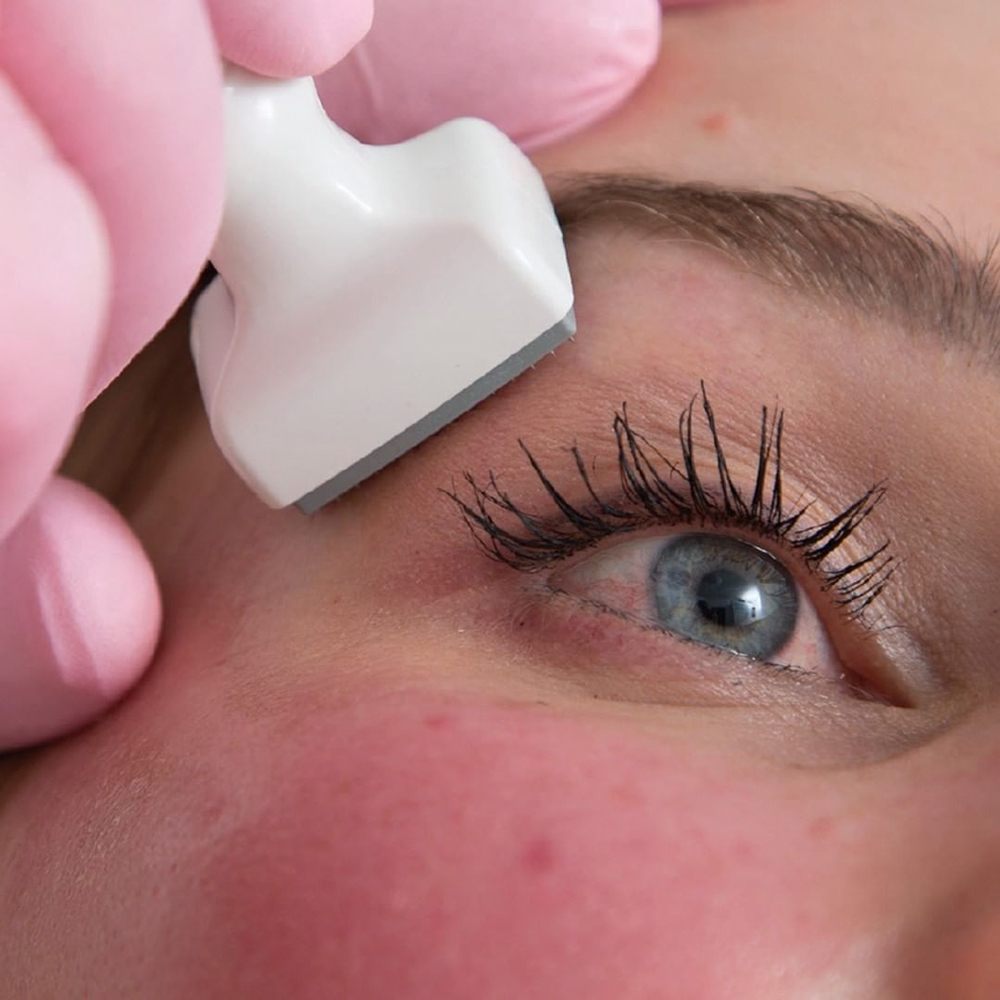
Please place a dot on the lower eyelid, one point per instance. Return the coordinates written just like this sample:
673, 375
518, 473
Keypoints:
589, 635
604, 650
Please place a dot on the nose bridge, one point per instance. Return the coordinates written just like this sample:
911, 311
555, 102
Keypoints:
976, 957
953, 952
949, 948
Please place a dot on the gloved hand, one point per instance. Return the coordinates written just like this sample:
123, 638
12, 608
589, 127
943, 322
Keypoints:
539, 71
110, 194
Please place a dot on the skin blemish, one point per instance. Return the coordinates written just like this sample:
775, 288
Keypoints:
820, 828
714, 124
439, 720
628, 794
539, 856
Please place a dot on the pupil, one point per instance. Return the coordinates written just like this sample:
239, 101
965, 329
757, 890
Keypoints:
725, 597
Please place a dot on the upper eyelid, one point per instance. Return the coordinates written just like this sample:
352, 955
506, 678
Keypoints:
529, 541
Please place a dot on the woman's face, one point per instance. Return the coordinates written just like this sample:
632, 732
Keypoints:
370, 761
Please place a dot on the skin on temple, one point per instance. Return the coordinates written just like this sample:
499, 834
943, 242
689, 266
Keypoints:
370, 762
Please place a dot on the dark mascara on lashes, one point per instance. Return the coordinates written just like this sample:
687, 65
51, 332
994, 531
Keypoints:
647, 499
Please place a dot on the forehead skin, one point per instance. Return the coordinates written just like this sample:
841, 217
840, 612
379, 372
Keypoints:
342, 777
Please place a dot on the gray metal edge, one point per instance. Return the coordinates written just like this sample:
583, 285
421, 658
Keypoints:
440, 417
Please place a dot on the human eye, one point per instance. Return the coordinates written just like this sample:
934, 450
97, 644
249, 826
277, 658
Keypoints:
713, 589
708, 561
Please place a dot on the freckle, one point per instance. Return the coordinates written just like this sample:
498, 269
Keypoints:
714, 123
820, 827
538, 856
438, 721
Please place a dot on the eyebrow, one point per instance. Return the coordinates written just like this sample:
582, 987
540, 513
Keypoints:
864, 257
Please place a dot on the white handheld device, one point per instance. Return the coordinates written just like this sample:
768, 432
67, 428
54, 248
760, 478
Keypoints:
367, 295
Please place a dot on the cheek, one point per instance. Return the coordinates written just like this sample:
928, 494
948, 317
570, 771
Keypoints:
441, 849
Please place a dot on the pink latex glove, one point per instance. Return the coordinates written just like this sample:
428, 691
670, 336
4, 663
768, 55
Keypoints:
548, 69
110, 194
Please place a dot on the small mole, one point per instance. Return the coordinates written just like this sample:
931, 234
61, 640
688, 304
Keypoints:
714, 123
538, 856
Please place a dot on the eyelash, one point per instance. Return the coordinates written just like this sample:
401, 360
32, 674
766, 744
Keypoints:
648, 499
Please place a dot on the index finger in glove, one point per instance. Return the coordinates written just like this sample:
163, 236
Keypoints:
291, 38
78, 603
79, 610
538, 69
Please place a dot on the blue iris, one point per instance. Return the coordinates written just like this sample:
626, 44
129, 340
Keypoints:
724, 592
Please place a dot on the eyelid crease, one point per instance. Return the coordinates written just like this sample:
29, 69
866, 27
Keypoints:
529, 542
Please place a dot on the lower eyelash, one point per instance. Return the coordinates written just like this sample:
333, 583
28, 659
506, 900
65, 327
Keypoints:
530, 542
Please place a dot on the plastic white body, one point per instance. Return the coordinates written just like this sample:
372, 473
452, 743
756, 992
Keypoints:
361, 287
